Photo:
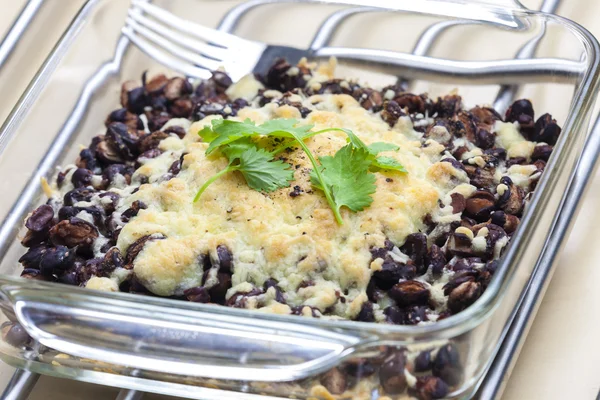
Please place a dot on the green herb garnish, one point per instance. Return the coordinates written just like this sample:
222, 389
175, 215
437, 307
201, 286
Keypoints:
347, 175
261, 171
345, 178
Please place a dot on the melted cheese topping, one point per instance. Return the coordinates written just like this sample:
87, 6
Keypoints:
275, 235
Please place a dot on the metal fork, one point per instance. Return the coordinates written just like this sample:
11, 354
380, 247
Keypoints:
196, 50
178, 45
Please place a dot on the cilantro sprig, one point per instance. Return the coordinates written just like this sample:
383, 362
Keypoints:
261, 171
345, 179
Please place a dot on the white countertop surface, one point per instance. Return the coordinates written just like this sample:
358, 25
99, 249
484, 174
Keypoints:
561, 355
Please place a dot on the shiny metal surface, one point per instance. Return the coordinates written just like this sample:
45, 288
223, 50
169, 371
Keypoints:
174, 42
130, 395
18, 28
20, 385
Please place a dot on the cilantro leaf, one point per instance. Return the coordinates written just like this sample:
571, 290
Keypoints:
286, 127
262, 173
378, 147
387, 163
344, 178
227, 131
347, 175
223, 132
234, 150
208, 133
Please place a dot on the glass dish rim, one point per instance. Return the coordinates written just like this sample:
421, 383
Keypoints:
462, 321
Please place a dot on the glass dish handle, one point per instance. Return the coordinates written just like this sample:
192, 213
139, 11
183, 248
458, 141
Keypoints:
170, 340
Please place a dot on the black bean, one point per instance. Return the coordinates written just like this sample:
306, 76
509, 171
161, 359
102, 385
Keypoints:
70, 278
423, 362
238, 300
279, 78
90, 269
151, 140
33, 256
121, 138
181, 108
480, 205
133, 211
77, 195
55, 259
407, 293
394, 315
484, 139
34, 274
430, 387
447, 365
391, 374
218, 291
14, 334
359, 368
108, 153
117, 115
448, 106
381, 252
521, 111
87, 160
369, 99
415, 314
272, 283
463, 296
412, 103
334, 381
512, 200
416, 248
177, 87
222, 80
175, 168
436, 259
109, 207
40, 219
156, 85
546, 130
455, 163
114, 170
113, 259
391, 272
225, 258
137, 100
208, 107
33, 238
73, 232
136, 247
67, 212
81, 177
366, 313
197, 294
177, 130
498, 153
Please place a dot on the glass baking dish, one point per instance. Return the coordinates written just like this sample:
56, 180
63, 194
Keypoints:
203, 351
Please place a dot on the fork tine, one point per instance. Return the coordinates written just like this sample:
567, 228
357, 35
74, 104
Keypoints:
172, 48
210, 35
172, 62
217, 53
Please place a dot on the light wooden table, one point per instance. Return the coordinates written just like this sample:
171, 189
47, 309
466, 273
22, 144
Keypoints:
561, 355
